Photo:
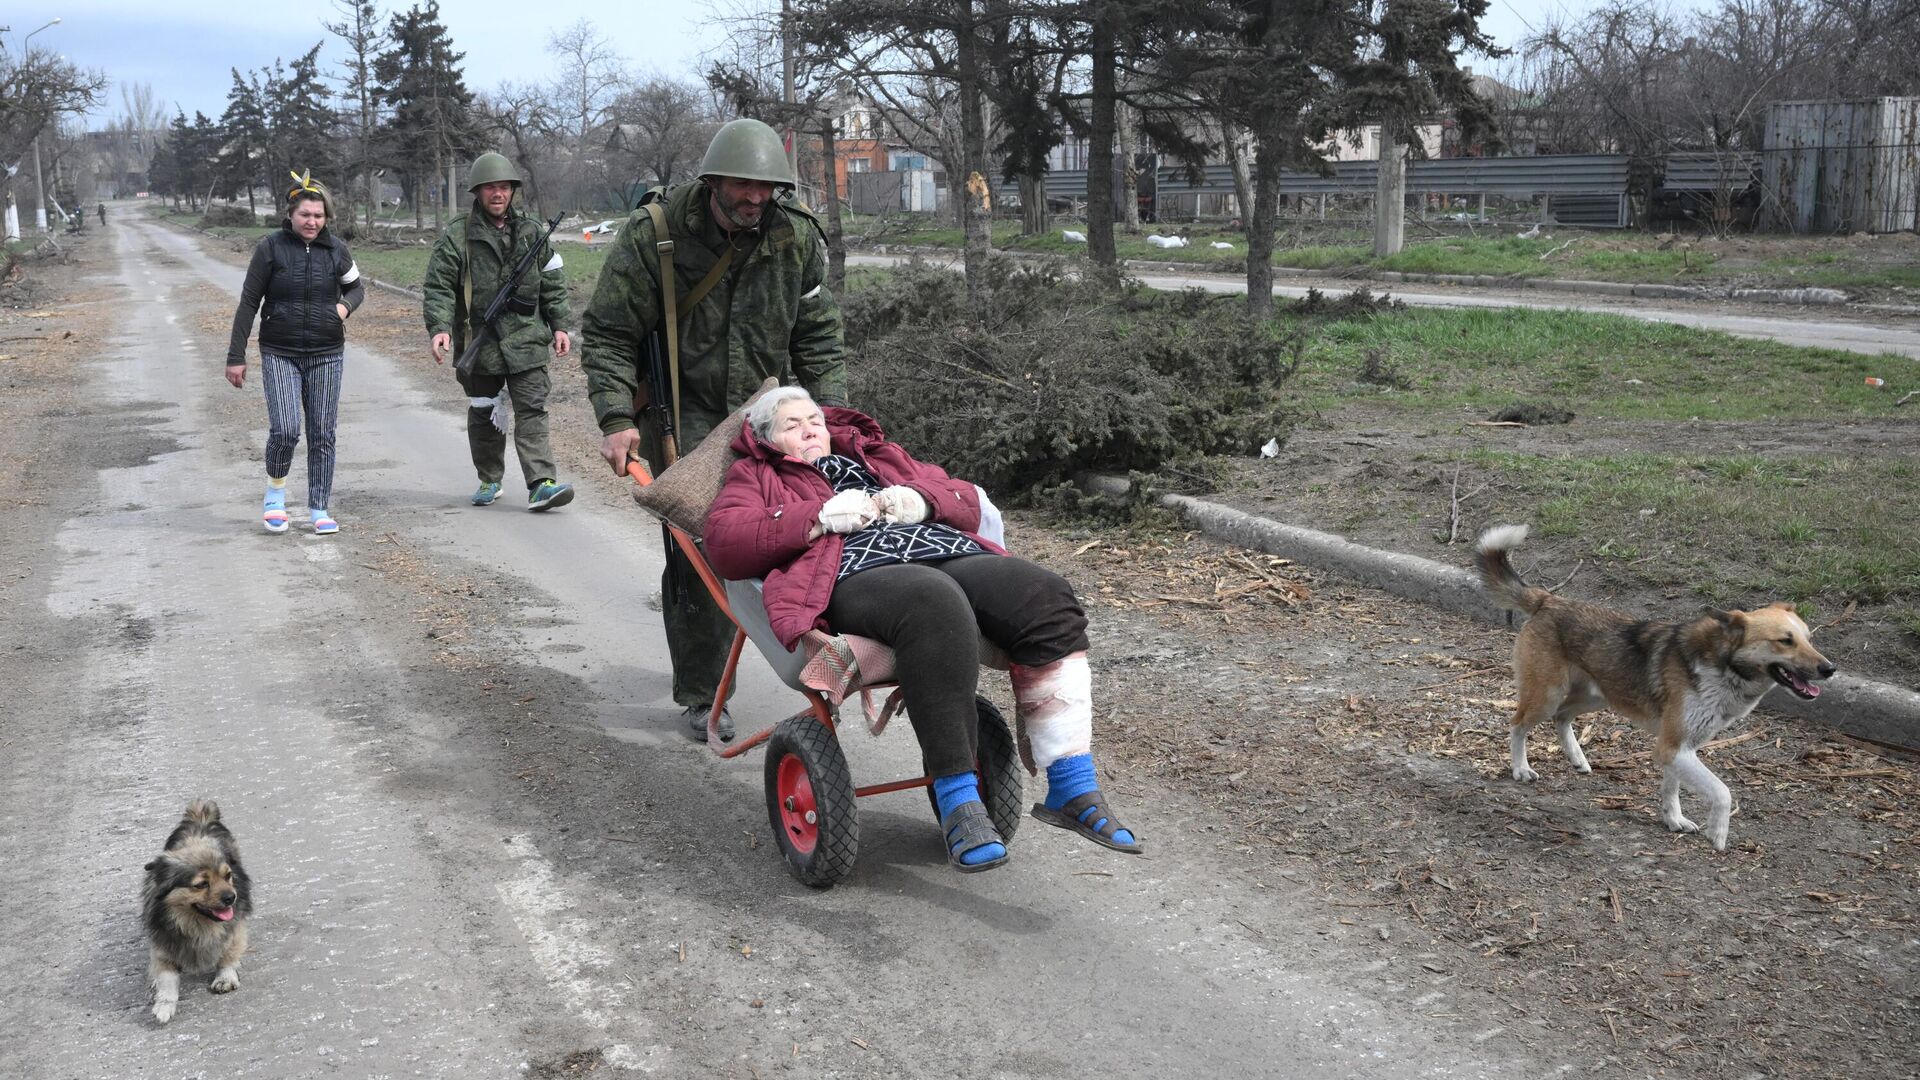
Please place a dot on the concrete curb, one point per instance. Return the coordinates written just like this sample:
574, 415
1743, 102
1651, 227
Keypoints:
414, 294
1882, 712
1619, 289
1889, 309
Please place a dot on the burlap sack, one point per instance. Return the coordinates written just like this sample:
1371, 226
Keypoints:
683, 493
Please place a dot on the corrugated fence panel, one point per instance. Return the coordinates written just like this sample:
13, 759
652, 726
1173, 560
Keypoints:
1559, 174
1589, 211
1840, 166
1894, 202
1710, 172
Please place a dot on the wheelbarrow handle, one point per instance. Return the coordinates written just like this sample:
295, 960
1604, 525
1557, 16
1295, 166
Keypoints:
637, 469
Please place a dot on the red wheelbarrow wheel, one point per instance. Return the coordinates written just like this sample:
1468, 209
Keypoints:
997, 756
810, 801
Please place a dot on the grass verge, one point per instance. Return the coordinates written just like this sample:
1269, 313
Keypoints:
1604, 365
407, 265
1484, 359
226, 232
1491, 250
1820, 531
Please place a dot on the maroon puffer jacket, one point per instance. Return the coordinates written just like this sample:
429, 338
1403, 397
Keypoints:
758, 526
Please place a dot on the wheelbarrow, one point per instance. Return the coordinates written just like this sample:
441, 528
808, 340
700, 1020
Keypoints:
811, 796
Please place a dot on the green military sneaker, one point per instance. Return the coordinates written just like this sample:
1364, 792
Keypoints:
548, 494
485, 494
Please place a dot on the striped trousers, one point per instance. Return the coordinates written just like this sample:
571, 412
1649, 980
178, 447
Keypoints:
308, 385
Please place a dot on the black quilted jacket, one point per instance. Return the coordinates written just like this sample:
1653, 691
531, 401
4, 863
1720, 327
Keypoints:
298, 283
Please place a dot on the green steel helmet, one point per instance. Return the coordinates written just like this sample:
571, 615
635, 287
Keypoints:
490, 167
748, 150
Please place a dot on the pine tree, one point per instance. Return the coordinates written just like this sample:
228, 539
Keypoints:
1293, 75
206, 140
187, 167
164, 172
300, 118
248, 137
432, 123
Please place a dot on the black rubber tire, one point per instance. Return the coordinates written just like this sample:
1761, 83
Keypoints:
1002, 777
836, 829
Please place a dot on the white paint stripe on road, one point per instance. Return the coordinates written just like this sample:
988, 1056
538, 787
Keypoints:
562, 947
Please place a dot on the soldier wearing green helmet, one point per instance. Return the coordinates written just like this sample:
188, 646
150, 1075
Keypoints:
767, 312
471, 262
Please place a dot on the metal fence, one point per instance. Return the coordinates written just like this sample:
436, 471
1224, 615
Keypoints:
1522, 177
913, 190
1827, 167
1581, 189
1842, 166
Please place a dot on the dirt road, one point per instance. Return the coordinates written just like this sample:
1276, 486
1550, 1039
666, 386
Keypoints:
481, 847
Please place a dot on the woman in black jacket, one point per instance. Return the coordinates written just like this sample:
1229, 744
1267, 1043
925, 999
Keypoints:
310, 285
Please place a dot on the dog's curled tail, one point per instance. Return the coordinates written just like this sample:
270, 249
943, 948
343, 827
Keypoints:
1497, 574
203, 812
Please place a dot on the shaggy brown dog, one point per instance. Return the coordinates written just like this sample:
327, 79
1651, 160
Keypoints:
195, 907
1685, 682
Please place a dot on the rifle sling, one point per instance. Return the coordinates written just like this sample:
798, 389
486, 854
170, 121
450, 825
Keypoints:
466, 292
669, 295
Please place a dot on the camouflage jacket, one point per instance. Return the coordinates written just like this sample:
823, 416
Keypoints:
771, 315
524, 339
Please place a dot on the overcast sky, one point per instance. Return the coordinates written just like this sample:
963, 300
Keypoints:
185, 51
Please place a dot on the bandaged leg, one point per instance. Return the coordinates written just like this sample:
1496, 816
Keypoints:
1054, 712
1053, 709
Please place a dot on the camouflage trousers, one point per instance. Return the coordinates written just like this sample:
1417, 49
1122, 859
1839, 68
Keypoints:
698, 632
528, 392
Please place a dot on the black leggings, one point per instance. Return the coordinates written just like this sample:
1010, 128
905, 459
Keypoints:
933, 615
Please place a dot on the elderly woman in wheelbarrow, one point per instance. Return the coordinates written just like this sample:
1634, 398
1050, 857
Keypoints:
851, 533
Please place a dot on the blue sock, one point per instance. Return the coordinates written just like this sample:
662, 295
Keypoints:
951, 791
276, 497
1070, 777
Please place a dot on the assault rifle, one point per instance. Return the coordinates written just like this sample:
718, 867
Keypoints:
503, 301
660, 395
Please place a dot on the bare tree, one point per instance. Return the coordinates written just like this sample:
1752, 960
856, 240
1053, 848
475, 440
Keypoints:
519, 118
590, 79
37, 86
763, 74
358, 29
664, 126
131, 137
1635, 77
896, 47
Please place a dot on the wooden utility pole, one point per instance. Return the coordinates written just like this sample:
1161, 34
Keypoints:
1390, 197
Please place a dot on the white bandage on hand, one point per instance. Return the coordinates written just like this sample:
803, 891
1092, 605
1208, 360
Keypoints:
901, 505
849, 511
497, 403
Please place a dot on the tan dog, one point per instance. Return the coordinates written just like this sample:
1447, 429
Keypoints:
1686, 682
